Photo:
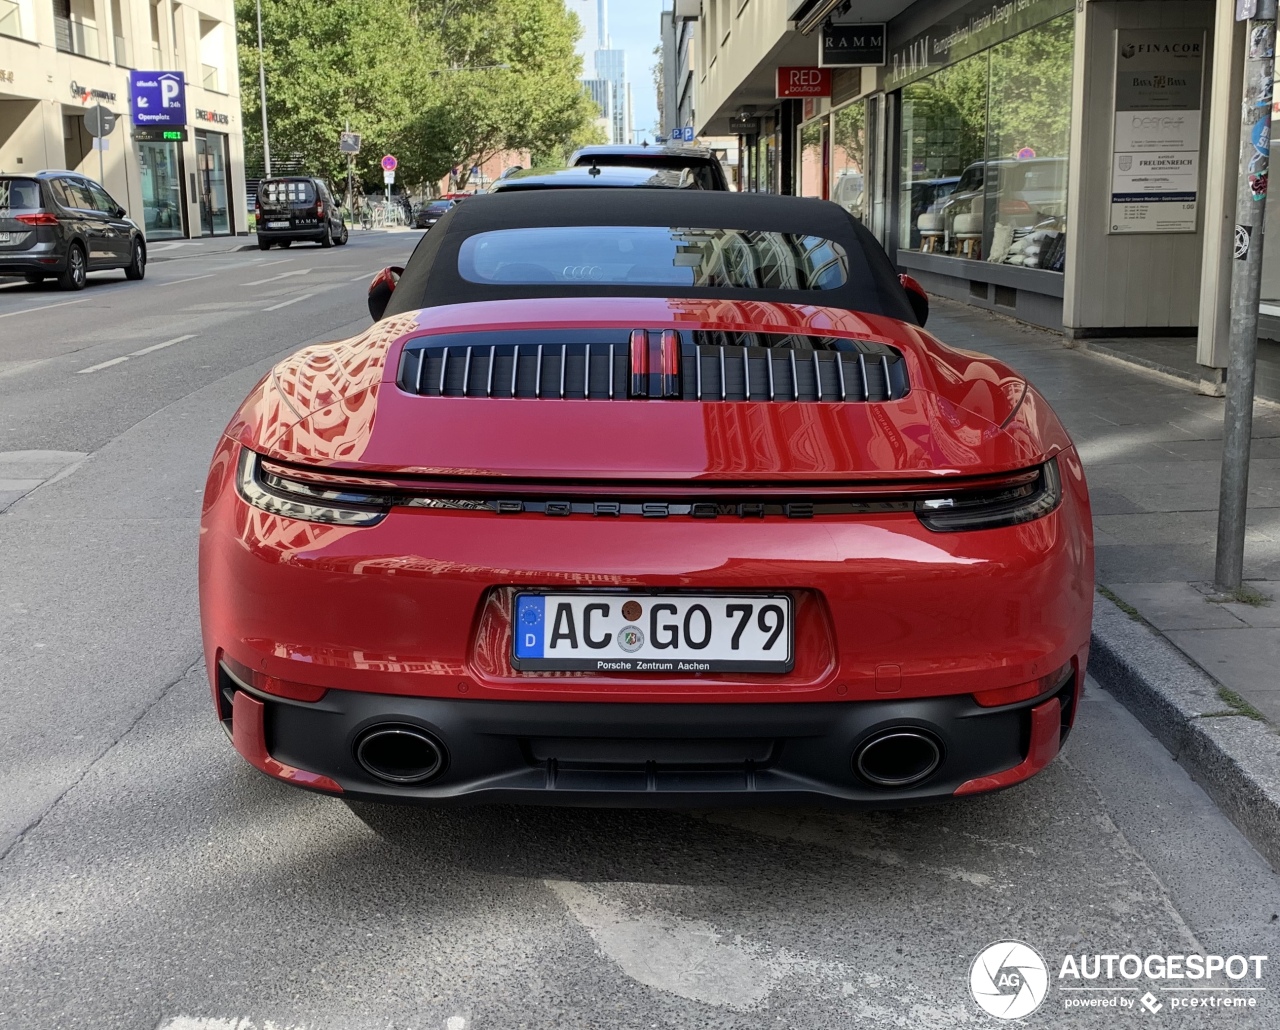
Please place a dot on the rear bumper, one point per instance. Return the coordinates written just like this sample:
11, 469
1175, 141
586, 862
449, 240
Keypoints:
309, 233
646, 755
42, 258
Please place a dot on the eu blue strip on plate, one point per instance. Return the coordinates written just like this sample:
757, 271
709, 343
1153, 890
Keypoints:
530, 625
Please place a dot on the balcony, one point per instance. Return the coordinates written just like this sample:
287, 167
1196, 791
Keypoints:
74, 36
10, 19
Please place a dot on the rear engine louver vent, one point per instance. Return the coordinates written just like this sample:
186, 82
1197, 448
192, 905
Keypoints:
713, 366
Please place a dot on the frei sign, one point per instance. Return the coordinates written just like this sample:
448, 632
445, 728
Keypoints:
803, 82
158, 98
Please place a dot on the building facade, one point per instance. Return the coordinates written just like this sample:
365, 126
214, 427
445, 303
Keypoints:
59, 58
1048, 159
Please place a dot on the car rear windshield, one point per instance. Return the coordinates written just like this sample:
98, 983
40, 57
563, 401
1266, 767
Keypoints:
19, 194
287, 191
700, 172
641, 255
439, 207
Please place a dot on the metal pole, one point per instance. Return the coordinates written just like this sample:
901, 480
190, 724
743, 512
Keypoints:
262, 86
1251, 205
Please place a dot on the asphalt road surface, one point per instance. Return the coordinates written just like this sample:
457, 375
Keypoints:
150, 879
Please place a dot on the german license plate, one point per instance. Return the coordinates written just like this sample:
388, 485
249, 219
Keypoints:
6, 237
277, 225
671, 633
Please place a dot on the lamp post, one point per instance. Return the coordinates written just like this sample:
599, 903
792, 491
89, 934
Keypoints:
262, 86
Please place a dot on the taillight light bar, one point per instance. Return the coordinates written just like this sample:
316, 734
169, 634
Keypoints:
669, 362
639, 363
655, 364
41, 218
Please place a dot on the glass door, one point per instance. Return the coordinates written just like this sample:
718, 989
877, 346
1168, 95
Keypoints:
211, 160
162, 206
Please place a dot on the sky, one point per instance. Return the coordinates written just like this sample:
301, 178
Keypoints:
633, 27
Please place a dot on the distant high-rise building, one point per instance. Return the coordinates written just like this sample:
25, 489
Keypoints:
611, 68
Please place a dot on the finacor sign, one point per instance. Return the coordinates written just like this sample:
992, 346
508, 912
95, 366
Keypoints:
804, 82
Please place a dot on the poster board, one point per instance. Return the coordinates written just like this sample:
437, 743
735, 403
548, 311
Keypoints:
1155, 147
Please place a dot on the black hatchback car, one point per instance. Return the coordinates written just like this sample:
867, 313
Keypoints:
62, 225
298, 207
427, 215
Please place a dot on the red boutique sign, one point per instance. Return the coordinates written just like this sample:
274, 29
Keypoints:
804, 82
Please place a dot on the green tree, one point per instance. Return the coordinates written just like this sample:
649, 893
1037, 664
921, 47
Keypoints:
509, 81
330, 63
438, 83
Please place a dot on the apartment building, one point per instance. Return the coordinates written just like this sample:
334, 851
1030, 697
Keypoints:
180, 176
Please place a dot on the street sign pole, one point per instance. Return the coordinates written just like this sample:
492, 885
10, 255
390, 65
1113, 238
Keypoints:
1246, 282
100, 122
262, 86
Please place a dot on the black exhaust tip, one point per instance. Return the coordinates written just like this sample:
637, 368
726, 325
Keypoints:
399, 754
898, 758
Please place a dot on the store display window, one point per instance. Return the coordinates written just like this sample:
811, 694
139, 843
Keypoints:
848, 158
983, 153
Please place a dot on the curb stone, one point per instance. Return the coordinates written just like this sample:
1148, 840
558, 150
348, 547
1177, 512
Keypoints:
1234, 758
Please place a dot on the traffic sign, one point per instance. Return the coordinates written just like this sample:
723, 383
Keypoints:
349, 143
98, 121
688, 133
389, 163
388, 176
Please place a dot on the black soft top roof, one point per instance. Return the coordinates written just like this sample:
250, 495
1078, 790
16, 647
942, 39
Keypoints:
431, 277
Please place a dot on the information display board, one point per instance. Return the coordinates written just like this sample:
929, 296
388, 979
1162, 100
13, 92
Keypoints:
1155, 151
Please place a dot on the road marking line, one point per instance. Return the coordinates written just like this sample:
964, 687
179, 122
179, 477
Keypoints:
364, 275
274, 278
136, 354
105, 364
46, 307
175, 282
160, 346
268, 264
286, 303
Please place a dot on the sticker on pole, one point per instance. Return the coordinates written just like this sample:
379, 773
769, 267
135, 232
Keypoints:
1243, 235
389, 163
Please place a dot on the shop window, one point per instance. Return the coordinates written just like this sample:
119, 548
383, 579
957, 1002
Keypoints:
812, 159
848, 158
984, 153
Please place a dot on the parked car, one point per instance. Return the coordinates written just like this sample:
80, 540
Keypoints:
594, 176
427, 215
298, 207
1024, 191
646, 497
704, 166
62, 225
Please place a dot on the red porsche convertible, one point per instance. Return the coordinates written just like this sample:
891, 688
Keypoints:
646, 498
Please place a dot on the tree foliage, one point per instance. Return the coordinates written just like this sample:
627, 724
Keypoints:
439, 83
